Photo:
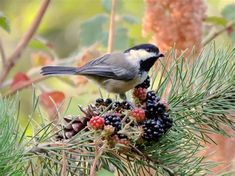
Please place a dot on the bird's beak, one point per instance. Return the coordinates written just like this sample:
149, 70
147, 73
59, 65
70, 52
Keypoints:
160, 55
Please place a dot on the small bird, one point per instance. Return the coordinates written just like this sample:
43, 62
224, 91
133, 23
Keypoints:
117, 72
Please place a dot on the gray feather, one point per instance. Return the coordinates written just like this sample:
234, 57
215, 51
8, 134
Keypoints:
57, 70
115, 67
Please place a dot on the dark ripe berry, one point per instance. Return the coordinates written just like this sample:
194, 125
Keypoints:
99, 101
96, 122
151, 95
116, 106
126, 105
108, 101
144, 84
167, 121
138, 114
114, 121
140, 93
153, 129
160, 108
150, 111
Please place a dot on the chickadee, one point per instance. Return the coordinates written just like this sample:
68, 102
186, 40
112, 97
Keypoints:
116, 72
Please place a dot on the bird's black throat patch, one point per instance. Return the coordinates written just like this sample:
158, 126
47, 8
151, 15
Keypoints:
145, 65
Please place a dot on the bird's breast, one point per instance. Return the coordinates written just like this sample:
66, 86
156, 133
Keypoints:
120, 86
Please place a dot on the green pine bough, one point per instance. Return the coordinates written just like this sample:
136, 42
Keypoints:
201, 96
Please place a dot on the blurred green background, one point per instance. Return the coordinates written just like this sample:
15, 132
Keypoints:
71, 26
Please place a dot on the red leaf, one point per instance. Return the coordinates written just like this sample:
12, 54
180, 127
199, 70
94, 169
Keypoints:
50, 99
19, 79
50, 102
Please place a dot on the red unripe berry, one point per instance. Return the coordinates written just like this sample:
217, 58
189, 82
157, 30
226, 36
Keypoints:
140, 93
138, 114
96, 122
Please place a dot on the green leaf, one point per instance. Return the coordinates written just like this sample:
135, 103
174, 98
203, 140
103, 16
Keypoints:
121, 39
105, 172
36, 44
107, 5
4, 22
228, 12
216, 20
92, 30
130, 19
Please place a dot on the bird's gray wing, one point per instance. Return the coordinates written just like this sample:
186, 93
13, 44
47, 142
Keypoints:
103, 67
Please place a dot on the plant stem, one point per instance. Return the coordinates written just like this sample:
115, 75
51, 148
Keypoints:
217, 33
24, 41
97, 157
64, 164
2, 54
112, 26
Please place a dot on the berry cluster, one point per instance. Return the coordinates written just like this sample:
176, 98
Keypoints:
157, 120
123, 122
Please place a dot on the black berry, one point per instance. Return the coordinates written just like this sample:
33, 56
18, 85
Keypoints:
160, 108
114, 121
117, 106
153, 129
108, 101
151, 96
150, 109
126, 105
99, 101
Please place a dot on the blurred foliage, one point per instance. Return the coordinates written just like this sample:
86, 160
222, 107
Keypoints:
4, 22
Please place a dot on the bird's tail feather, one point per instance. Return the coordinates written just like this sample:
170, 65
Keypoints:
58, 70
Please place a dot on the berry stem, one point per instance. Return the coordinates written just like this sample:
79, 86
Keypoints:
99, 152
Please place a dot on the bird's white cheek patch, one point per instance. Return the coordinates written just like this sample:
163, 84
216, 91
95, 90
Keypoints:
140, 54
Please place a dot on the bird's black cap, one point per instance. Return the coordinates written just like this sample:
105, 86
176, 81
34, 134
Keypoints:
148, 47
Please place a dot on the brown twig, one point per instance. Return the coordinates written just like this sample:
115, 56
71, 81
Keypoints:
97, 157
217, 33
64, 164
2, 53
25, 85
112, 27
24, 41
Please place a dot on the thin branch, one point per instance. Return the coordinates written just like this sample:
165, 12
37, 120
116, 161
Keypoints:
24, 41
217, 33
2, 52
112, 26
97, 157
64, 164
